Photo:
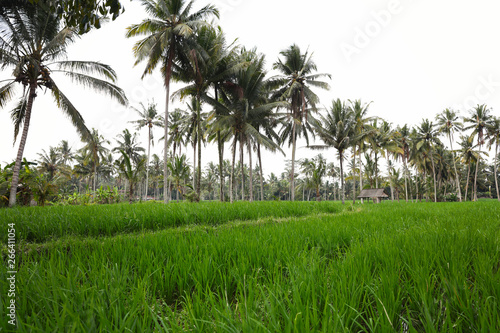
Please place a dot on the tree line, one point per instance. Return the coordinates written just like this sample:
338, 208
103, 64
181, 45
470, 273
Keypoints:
230, 102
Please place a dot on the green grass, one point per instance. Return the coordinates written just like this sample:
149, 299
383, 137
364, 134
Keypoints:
375, 268
39, 224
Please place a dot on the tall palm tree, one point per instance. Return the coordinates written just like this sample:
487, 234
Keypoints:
337, 130
294, 85
362, 130
494, 135
427, 137
468, 156
179, 173
447, 122
479, 119
32, 43
149, 117
242, 110
168, 32
402, 137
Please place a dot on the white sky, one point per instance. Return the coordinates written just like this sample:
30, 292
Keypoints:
412, 58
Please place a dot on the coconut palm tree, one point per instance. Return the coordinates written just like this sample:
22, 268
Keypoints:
127, 142
64, 153
494, 136
402, 138
294, 85
427, 137
336, 129
93, 152
32, 44
149, 117
315, 170
179, 173
362, 130
479, 120
468, 156
168, 32
447, 122
131, 171
242, 111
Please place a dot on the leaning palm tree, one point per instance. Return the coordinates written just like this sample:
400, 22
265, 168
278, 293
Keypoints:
32, 44
494, 135
447, 122
294, 85
426, 139
337, 130
167, 32
479, 119
149, 117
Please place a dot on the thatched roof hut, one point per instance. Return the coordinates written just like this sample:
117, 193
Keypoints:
373, 193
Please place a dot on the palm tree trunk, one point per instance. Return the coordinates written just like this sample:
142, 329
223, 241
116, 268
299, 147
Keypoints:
434, 176
231, 180
260, 173
22, 144
467, 182
496, 167
220, 146
342, 176
456, 173
250, 171
194, 165
242, 169
147, 164
475, 176
376, 170
198, 180
360, 173
168, 74
354, 175
406, 178
292, 183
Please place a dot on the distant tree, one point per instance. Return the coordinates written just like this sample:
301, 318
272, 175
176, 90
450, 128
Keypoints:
131, 171
447, 122
479, 120
426, 139
297, 77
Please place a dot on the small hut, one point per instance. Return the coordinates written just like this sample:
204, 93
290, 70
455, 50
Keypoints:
376, 194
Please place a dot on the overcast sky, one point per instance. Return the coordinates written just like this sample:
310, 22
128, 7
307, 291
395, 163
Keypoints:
412, 58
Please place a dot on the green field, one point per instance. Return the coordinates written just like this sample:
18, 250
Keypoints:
256, 267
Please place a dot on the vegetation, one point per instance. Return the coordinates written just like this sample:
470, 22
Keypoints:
427, 267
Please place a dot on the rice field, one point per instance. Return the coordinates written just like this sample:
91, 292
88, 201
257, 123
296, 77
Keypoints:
257, 267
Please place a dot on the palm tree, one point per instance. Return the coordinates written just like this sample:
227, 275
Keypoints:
242, 111
479, 119
315, 170
94, 151
494, 135
179, 172
337, 130
447, 122
167, 32
362, 130
64, 153
426, 139
131, 171
129, 145
148, 118
402, 138
297, 76
468, 156
32, 44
